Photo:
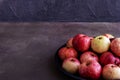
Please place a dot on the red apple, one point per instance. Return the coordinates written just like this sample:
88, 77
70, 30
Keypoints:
115, 46
81, 42
111, 72
66, 52
69, 43
88, 56
90, 70
110, 36
71, 65
108, 58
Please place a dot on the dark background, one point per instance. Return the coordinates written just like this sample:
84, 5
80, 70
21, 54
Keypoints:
27, 50
60, 10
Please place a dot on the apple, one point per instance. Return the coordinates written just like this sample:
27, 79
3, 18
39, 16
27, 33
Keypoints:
71, 65
88, 56
66, 52
115, 46
90, 70
81, 42
111, 72
110, 36
108, 58
100, 44
69, 43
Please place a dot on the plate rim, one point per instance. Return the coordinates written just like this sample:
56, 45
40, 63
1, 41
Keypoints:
57, 60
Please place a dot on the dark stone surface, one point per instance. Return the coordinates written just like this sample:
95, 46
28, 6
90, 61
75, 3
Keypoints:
27, 50
59, 10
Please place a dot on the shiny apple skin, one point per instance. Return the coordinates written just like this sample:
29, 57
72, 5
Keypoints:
66, 52
81, 42
88, 56
71, 65
90, 70
115, 46
111, 72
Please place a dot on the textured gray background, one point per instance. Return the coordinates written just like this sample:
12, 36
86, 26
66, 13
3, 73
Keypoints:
27, 49
59, 10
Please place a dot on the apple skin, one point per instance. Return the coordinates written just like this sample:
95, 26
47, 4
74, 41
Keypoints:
110, 36
90, 70
81, 42
115, 46
109, 58
111, 72
88, 56
66, 52
71, 65
69, 43
100, 44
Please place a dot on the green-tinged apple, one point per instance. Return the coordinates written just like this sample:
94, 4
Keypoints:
66, 52
71, 65
100, 44
115, 46
111, 72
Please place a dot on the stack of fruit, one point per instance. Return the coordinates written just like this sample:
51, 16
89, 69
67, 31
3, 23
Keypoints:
92, 57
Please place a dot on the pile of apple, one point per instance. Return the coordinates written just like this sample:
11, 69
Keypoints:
92, 57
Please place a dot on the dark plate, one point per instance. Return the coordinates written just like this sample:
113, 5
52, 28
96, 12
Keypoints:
59, 64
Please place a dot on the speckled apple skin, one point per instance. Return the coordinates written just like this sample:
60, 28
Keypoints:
115, 46
100, 44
